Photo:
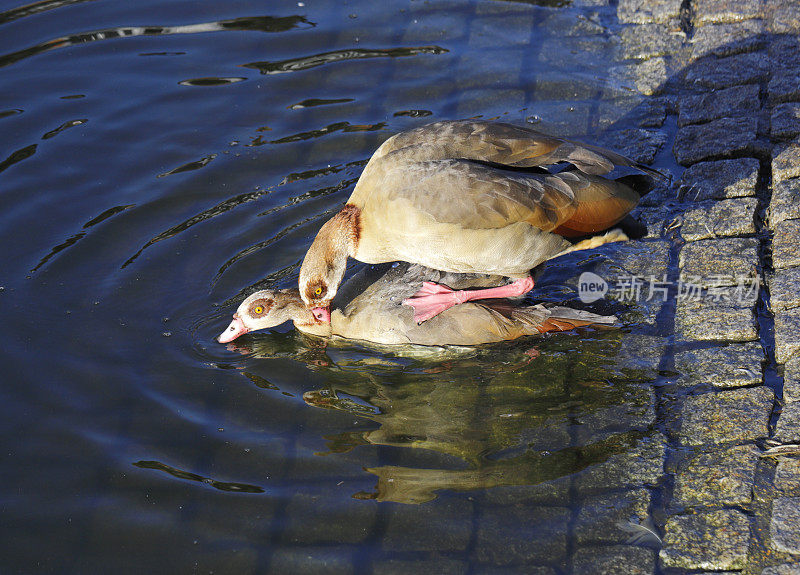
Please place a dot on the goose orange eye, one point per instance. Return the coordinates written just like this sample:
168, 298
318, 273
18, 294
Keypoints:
258, 309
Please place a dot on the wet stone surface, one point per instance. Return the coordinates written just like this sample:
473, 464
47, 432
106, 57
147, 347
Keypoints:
787, 476
719, 261
441, 565
788, 569
784, 244
720, 179
648, 12
503, 540
791, 379
614, 560
698, 108
717, 540
409, 527
735, 365
728, 38
716, 139
786, 162
708, 320
717, 478
737, 415
787, 334
714, 72
785, 120
720, 11
599, 515
721, 218
784, 289
649, 41
788, 428
643, 464
785, 525
647, 77
638, 144
785, 202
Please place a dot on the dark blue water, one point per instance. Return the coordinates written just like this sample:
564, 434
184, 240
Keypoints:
157, 161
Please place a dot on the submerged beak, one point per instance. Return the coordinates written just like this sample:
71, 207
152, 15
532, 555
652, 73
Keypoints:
322, 314
235, 329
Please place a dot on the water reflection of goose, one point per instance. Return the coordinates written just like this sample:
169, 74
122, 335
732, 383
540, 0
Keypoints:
370, 307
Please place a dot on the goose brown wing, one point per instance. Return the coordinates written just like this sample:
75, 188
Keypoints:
504, 144
476, 196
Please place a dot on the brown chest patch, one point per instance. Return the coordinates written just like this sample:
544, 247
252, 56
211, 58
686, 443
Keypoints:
352, 214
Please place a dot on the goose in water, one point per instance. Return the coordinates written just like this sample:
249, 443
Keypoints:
469, 197
370, 307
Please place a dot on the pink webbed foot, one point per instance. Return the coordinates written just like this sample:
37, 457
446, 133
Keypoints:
433, 298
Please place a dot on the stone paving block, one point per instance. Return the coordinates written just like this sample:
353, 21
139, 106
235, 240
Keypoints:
786, 162
729, 38
787, 476
717, 540
637, 411
784, 528
788, 428
717, 478
635, 466
716, 139
734, 365
785, 121
697, 108
785, 243
650, 41
647, 77
788, 569
784, 86
713, 72
708, 320
614, 560
785, 202
785, 19
445, 525
791, 380
733, 217
720, 179
637, 144
721, 261
727, 416
784, 289
507, 536
598, 516
648, 12
718, 11
787, 334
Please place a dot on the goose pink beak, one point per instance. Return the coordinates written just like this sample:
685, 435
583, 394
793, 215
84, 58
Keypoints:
322, 314
234, 330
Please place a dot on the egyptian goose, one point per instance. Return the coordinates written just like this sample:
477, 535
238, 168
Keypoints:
469, 196
369, 308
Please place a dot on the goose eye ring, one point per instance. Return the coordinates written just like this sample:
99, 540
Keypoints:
258, 309
318, 291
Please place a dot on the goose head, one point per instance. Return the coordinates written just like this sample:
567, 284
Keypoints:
268, 308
